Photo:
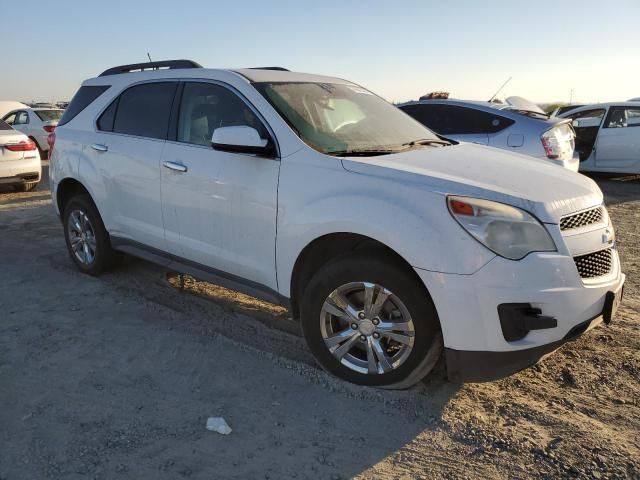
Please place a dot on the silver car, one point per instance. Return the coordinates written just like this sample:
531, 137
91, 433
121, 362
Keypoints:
517, 125
36, 123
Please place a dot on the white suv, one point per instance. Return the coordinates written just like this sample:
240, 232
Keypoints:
387, 242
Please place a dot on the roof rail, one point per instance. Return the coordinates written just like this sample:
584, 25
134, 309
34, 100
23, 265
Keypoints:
170, 64
281, 69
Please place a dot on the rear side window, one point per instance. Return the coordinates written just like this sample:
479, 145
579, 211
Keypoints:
142, 110
587, 118
621, 117
49, 115
81, 100
455, 120
5, 126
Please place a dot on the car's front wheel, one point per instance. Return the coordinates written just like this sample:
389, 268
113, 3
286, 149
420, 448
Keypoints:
87, 240
369, 321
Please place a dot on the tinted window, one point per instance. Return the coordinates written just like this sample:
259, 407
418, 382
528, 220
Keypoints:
4, 125
22, 118
81, 100
452, 120
105, 122
49, 115
144, 110
621, 117
205, 107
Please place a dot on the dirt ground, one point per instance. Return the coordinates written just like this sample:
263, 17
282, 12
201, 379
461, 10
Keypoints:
114, 377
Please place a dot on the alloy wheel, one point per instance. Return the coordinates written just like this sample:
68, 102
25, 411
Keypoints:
367, 328
82, 237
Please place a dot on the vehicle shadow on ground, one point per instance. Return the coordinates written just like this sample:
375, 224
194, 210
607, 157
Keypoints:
618, 188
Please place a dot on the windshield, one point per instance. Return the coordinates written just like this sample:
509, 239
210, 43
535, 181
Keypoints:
343, 119
49, 115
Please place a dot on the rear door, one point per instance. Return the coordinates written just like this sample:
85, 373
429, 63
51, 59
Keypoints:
130, 138
219, 207
619, 140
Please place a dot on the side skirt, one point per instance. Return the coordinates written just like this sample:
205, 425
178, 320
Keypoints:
209, 274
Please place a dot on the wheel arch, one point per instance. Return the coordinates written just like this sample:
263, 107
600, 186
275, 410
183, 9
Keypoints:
67, 189
329, 247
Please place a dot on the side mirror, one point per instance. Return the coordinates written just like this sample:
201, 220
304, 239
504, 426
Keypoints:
240, 139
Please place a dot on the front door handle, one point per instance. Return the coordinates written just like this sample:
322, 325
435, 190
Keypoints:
178, 167
99, 147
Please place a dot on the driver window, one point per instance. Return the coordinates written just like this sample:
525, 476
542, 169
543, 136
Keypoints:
588, 118
206, 106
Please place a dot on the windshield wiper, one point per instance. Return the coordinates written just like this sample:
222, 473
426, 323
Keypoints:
361, 152
425, 141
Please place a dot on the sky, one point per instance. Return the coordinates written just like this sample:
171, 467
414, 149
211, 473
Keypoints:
398, 49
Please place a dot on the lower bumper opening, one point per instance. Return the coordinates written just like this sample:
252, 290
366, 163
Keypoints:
478, 366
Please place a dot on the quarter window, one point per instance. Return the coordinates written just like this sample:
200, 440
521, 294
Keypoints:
206, 106
456, 120
621, 117
10, 119
142, 110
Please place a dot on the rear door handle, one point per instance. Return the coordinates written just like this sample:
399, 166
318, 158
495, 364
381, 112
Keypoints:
99, 147
178, 167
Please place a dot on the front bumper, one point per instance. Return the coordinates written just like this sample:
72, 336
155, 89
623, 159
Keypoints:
467, 305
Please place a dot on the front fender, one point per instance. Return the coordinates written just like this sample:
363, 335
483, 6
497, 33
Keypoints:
317, 196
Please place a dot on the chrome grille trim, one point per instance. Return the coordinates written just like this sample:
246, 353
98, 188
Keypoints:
595, 264
582, 219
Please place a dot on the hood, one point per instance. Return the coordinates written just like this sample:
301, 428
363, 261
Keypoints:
521, 103
538, 186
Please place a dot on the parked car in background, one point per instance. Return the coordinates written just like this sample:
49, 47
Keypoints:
517, 125
391, 242
36, 123
7, 106
607, 137
20, 164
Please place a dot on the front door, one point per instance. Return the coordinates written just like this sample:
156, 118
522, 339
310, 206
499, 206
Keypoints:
618, 146
219, 208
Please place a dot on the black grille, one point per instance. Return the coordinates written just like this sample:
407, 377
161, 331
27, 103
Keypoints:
588, 217
594, 264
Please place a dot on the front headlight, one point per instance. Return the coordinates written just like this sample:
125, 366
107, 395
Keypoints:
508, 231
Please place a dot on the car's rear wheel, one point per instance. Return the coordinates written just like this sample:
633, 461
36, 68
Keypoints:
370, 322
87, 240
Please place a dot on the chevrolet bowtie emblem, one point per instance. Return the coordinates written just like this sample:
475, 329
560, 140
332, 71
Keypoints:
608, 237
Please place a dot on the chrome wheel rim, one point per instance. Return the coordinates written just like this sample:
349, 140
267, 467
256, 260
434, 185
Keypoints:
82, 238
367, 328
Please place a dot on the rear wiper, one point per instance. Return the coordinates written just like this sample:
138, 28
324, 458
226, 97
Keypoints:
425, 141
360, 153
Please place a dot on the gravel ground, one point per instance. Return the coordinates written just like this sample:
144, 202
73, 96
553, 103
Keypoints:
114, 377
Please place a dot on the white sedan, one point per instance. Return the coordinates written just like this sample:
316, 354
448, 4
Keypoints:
19, 159
607, 137
36, 123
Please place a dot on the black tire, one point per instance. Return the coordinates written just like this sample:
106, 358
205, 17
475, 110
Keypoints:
104, 256
374, 268
26, 187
